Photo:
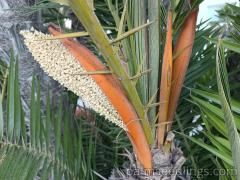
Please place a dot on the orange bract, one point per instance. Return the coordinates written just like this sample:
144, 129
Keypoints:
165, 85
183, 47
111, 87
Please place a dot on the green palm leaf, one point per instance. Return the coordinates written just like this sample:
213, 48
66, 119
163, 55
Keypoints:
224, 91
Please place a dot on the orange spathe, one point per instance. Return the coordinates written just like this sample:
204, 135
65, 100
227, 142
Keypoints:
183, 47
111, 87
165, 85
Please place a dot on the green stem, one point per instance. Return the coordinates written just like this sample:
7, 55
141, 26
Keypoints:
91, 23
154, 52
4, 86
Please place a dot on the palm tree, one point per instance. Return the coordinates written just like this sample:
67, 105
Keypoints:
139, 59
144, 49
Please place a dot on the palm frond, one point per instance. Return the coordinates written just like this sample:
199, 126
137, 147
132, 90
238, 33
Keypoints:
224, 91
225, 121
157, 14
98, 35
55, 146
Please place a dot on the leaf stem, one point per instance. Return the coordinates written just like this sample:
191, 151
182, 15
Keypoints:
99, 37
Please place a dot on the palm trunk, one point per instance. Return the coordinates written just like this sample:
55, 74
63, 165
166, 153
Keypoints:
166, 165
11, 22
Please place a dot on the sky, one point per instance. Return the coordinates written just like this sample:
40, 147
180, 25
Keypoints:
208, 8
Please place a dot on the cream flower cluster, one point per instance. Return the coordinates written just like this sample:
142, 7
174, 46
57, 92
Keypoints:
58, 62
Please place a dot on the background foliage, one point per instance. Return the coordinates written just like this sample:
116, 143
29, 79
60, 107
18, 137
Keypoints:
56, 144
